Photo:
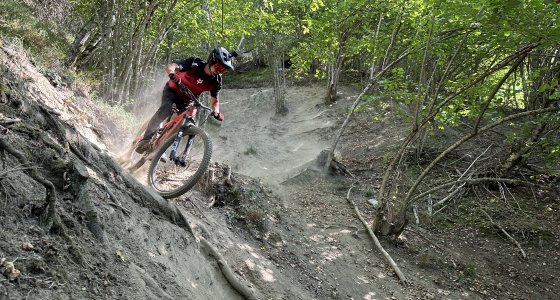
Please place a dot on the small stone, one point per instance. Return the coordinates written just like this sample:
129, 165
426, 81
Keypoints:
14, 274
27, 246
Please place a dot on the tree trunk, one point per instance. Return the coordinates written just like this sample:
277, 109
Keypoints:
83, 38
335, 68
279, 84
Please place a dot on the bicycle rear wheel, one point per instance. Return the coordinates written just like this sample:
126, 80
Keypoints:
172, 178
136, 161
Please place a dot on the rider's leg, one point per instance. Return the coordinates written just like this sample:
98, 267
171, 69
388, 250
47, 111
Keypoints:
164, 111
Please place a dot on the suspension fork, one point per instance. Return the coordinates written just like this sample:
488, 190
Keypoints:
173, 155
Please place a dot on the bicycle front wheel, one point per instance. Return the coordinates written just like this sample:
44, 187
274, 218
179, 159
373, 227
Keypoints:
173, 177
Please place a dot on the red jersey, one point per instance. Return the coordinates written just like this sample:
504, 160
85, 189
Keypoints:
193, 76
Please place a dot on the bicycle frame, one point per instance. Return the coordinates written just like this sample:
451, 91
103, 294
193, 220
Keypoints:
178, 125
172, 127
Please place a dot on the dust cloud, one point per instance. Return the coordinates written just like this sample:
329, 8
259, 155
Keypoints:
256, 142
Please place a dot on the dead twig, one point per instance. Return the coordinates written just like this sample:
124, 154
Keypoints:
470, 182
450, 196
212, 201
6, 198
375, 240
228, 176
5, 295
471, 165
505, 232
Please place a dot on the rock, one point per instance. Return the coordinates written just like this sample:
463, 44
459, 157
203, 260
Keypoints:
10, 271
27, 246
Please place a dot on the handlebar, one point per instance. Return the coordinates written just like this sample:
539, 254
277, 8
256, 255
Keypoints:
185, 90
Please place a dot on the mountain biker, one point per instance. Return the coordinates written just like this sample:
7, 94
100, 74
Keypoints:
198, 76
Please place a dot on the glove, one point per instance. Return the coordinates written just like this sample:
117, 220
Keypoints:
173, 77
217, 116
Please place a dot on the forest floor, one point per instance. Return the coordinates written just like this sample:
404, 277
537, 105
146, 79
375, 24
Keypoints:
457, 254
287, 231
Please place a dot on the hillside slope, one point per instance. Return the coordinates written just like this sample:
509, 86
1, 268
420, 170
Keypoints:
73, 224
283, 229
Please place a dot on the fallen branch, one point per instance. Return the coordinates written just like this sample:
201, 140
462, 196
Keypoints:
505, 232
8, 121
450, 196
471, 165
470, 182
375, 240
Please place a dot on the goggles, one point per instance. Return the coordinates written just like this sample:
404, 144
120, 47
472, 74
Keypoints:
220, 68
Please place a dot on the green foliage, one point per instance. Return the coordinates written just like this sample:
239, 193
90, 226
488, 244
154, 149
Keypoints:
259, 77
44, 43
470, 271
369, 193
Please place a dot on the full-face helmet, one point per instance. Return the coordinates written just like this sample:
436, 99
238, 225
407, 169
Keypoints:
223, 57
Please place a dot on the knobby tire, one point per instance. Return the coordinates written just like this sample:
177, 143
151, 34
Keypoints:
138, 164
190, 182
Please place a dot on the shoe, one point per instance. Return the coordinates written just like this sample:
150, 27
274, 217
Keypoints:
142, 146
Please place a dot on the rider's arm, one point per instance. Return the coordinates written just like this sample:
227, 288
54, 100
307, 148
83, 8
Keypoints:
215, 104
214, 98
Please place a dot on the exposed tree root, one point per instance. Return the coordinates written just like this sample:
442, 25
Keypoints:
52, 220
49, 186
227, 271
114, 201
375, 240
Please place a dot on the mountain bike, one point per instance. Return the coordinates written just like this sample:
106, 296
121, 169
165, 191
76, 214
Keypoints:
179, 151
